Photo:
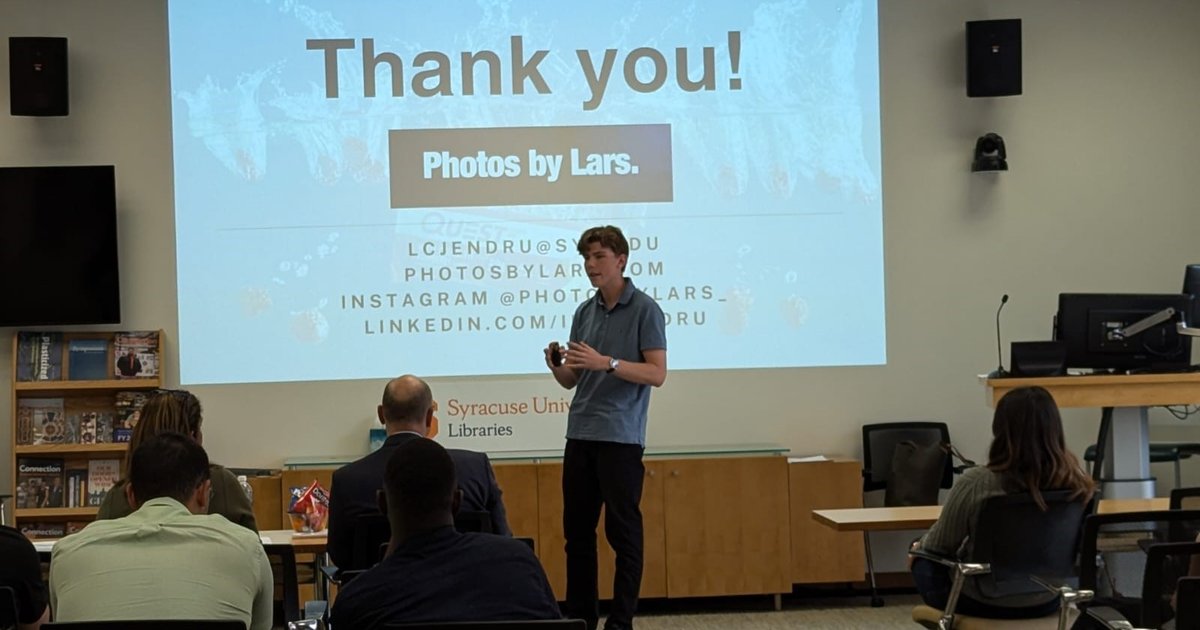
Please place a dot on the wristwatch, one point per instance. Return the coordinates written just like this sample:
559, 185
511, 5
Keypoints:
612, 364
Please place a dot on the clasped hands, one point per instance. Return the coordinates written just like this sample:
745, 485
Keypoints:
579, 356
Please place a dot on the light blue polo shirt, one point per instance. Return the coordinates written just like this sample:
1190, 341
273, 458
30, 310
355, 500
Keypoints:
607, 407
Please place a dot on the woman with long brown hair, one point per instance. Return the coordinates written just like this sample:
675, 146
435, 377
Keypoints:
1028, 455
178, 411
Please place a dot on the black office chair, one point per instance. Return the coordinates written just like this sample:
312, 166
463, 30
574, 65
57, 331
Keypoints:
147, 624
1116, 554
1161, 453
1185, 499
879, 445
9, 614
1166, 563
473, 521
288, 609
1018, 550
1187, 611
542, 624
880, 442
1164, 575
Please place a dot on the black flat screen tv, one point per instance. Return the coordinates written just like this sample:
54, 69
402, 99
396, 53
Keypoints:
58, 246
1091, 326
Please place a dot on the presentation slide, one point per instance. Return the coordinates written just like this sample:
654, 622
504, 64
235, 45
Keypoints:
370, 188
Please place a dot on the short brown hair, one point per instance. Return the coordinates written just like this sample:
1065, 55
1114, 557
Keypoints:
608, 236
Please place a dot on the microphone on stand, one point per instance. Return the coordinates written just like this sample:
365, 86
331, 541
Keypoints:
999, 372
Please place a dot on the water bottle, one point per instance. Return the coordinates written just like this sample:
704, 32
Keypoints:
246, 488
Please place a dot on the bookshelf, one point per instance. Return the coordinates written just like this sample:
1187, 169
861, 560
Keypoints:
71, 411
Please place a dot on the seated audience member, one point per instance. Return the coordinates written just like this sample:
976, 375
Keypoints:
407, 414
169, 559
432, 572
21, 570
1028, 454
178, 411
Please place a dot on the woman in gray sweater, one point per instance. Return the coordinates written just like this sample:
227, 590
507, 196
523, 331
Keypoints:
1028, 454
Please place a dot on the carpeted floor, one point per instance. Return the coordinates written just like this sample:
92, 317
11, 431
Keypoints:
848, 613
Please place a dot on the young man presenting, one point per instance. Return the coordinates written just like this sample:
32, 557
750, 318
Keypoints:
617, 351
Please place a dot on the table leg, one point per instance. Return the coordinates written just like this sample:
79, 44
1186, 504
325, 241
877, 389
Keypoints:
319, 591
876, 600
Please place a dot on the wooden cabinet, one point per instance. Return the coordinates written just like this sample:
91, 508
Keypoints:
519, 488
726, 522
820, 554
711, 527
268, 513
65, 420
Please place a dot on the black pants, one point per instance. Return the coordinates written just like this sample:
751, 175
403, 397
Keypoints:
608, 474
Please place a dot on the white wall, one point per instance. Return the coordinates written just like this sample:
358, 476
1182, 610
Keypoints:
1101, 196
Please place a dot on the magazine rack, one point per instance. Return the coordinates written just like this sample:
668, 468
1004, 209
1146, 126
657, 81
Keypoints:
72, 412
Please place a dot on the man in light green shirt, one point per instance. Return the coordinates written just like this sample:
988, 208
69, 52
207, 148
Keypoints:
169, 559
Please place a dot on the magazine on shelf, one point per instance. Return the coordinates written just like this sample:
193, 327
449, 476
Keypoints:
102, 476
136, 354
87, 359
39, 356
40, 483
44, 530
40, 421
90, 419
128, 409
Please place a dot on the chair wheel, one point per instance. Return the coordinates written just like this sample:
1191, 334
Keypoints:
876, 602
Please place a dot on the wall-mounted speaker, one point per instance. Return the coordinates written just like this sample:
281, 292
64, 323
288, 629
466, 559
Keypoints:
994, 58
37, 76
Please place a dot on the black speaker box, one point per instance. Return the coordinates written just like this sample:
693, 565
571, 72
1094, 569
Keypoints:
37, 76
1191, 286
994, 58
1038, 358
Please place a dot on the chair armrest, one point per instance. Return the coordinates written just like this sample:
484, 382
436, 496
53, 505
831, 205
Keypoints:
964, 568
331, 573
1110, 618
960, 572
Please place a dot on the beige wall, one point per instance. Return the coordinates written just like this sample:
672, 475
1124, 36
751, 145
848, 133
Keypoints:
1102, 196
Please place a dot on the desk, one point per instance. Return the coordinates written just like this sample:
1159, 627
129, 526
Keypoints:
923, 516
1124, 437
301, 543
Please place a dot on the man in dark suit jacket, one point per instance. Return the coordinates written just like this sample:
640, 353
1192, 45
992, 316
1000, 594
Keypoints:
129, 364
407, 414
433, 573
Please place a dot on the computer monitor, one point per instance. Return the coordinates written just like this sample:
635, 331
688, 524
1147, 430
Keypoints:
1093, 326
1191, 286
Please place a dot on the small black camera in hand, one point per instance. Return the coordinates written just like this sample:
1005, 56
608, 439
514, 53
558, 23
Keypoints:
556, 353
